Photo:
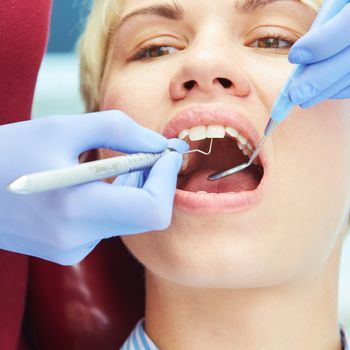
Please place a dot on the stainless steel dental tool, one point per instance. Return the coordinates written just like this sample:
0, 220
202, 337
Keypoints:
283, 105
84, 172
268, 130
90, 171
200, 151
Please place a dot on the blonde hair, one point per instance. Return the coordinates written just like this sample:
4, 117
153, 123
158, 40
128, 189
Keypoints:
93, 46
314, 4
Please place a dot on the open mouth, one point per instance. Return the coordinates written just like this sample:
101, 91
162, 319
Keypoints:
234, 138
229, 148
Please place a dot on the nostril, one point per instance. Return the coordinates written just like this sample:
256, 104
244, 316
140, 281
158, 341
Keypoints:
226, 83
189, 84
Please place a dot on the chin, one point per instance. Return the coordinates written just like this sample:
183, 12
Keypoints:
186, 254
218, 276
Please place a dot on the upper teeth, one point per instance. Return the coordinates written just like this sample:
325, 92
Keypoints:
202, 132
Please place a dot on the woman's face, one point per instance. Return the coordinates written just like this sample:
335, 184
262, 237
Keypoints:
220, 63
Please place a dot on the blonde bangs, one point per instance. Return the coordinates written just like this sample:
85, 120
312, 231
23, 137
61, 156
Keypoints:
93, 49
314, 4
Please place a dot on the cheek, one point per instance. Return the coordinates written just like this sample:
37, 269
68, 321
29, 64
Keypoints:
268, 75
316, 140
142, 99
312, 169
152, 251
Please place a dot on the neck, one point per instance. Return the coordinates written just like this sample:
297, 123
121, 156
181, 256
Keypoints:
299, 315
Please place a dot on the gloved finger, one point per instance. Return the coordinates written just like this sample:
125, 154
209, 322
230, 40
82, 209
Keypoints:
343, 94
135, 179
49, 252
318, 77
178, 144
338, 88
162, 179
155, 202
73, 256
117, 207
324, 41
114, 130
68, 257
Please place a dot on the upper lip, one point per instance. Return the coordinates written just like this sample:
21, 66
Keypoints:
204, 115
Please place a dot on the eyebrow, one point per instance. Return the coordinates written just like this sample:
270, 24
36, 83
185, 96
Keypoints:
247, 6
171, 11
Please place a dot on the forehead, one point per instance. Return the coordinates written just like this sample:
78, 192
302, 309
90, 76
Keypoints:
194, 9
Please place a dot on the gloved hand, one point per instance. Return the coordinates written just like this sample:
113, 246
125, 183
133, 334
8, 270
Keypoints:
64, 225
326, 51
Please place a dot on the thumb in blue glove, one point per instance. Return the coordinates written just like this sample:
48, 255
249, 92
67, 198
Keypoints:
326, 52
150, 195
63, 226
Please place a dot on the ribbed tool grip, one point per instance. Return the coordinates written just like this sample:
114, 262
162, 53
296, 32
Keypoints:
140, 161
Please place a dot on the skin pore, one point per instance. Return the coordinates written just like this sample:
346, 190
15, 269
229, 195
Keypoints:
265, 278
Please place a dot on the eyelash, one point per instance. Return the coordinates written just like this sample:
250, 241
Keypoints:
287, 39
141, 54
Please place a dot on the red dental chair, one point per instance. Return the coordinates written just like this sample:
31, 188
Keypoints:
93, 305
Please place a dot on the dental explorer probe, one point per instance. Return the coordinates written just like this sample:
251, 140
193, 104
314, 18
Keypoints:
84, 172
90, 171
283, 105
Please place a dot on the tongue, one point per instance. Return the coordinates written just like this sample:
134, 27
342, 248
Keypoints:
246, 180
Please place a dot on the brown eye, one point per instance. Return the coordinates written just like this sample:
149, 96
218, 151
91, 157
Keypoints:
272, 43
160, 51
155, 51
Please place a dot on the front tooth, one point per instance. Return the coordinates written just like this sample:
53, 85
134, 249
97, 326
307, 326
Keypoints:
245, 151
198, 133
202, 192
215, 132
231, 131
242, 140
249, 146
183, 134
185, 162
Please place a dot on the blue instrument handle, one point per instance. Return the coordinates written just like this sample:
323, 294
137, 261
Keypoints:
283, 105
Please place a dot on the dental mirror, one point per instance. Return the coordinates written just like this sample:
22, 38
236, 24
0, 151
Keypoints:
240, 167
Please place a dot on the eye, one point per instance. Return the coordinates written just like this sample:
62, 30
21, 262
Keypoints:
273, 42
154, 51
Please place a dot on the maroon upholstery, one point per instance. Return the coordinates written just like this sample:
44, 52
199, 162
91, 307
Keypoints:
93, 305
23, 35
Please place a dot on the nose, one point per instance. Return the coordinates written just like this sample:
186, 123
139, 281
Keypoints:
206, 73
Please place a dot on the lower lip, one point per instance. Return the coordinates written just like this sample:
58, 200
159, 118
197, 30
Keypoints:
219, 203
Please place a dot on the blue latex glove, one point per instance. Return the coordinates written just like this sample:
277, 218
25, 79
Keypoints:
326, 51
64, 225
137, 179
